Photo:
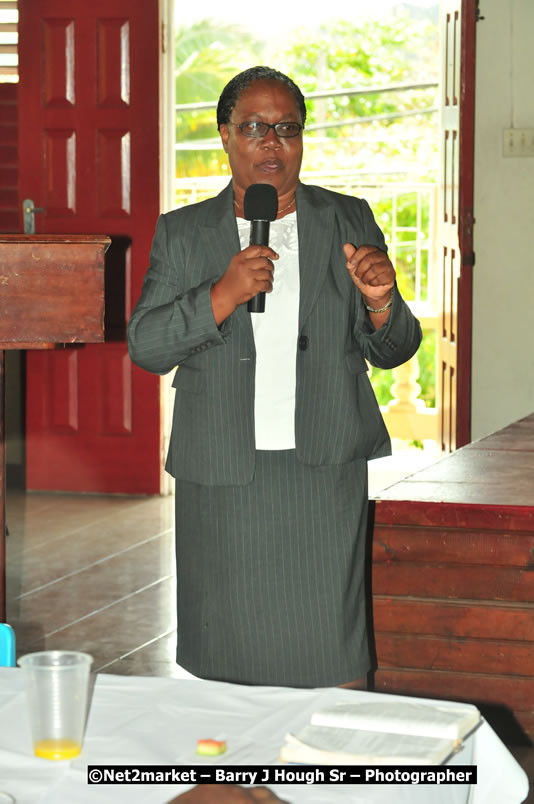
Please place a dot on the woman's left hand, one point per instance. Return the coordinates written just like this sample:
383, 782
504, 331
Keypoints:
371, 271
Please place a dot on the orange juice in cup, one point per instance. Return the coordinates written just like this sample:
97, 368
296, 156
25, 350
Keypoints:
57, 683
57, 749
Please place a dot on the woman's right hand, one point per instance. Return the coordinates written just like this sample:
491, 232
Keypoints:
250, 272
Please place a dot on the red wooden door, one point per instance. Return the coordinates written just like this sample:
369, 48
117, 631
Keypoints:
89, 155
455, 248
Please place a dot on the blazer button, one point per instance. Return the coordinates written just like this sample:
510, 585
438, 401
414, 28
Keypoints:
303, 342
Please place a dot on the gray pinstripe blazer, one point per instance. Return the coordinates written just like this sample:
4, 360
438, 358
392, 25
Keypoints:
337, 418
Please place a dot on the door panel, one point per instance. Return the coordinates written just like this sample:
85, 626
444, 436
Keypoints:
455, 220
89, 155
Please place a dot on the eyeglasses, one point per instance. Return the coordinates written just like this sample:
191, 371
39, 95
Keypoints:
257, 129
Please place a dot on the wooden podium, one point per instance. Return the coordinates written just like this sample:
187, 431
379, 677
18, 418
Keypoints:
51, 292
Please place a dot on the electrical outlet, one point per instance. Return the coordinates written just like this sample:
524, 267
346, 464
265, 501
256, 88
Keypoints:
518, 142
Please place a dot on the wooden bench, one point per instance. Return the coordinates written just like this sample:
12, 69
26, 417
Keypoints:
453, 577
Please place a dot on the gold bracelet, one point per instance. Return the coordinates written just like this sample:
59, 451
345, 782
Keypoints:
381, 309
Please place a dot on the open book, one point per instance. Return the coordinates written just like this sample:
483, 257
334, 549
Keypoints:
382, 733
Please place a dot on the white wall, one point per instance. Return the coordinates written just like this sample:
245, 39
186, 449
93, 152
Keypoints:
503, 297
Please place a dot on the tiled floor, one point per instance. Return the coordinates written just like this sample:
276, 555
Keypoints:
94, 574
97, 574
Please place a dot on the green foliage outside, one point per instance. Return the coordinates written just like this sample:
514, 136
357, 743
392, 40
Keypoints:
371, 54
339, 55
403, 240
208, 54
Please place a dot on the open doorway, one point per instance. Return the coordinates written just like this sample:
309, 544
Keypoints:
371, 81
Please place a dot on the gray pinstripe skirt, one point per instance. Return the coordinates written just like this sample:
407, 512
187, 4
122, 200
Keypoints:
270, 576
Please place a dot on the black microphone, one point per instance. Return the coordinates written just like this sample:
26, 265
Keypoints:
260, 206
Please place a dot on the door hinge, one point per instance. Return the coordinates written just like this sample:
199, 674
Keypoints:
468, 221
478, 15
163, 37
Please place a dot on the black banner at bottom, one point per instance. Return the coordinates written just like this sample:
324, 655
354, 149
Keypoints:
282, 774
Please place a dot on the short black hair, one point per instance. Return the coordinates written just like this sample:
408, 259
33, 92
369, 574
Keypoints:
233, 89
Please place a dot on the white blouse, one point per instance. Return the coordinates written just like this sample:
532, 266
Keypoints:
275, 336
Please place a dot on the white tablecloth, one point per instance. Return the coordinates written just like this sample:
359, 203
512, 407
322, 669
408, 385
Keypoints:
157, 721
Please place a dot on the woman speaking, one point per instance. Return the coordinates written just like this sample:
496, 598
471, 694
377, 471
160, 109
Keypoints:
274, 416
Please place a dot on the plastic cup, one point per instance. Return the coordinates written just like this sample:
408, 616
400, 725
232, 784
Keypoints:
57, 682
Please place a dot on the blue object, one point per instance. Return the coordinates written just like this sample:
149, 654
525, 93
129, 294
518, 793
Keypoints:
7, 646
